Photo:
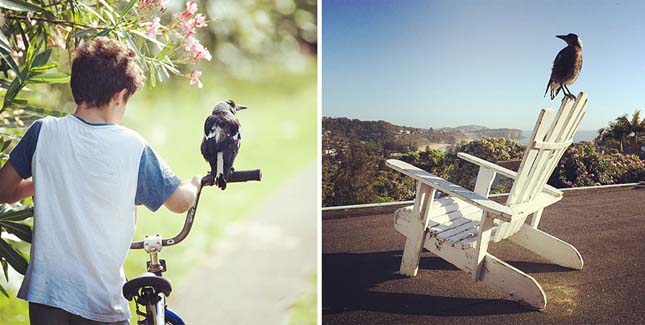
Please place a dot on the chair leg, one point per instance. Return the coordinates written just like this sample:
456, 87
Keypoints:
485, 230
549, 247
516, 284
412, 250
535, 220
418, 226
493, 272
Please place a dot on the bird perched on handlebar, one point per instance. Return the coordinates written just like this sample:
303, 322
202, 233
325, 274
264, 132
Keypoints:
566, 66
222, 141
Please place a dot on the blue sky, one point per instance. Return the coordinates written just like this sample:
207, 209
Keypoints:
450, 63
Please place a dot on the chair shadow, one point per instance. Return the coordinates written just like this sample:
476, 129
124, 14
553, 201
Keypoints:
348, 280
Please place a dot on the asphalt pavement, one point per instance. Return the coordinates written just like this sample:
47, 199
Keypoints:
361, 257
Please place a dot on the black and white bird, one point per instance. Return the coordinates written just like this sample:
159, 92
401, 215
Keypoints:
222, 140
566, 66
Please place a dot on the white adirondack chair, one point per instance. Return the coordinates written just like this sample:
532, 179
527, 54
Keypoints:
459, 226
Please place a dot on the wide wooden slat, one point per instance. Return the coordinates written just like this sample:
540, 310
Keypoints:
458, 226
551, 145
495, 209
565, 134
538, 165
529, 157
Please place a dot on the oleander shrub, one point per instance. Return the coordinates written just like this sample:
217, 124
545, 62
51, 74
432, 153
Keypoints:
583, 164
464, 173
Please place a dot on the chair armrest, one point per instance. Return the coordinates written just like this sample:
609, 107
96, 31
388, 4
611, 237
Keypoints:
503, 171
497, 210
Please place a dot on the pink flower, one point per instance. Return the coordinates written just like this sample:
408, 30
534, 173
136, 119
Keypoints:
194, 78
188, 27
15, 55
197, 50
191, 9
20, 44
200, 21
152, 27
163, 4
145, 3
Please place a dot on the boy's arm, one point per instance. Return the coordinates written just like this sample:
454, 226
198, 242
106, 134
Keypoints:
12, 187
184, 196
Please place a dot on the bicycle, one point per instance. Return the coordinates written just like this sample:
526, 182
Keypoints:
151, 289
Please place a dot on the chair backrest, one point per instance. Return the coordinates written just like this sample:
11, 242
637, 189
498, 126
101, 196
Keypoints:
552, 135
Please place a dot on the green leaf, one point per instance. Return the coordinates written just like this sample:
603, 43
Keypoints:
104, 32
17, 215
19, 5
145, 36
92, 11
4, 43
84, 32
42, 58
11, 63
17, 261
109, 15
128, 7
5, 268
22, 231
50, 78
107, 6
45, 67
5, 145
12, 91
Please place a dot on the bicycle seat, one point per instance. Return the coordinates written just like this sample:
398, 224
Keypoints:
147, 280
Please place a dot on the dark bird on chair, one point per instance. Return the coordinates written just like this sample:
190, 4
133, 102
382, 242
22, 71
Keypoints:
566, 66
222, 141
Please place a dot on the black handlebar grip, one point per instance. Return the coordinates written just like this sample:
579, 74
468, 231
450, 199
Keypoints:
244, 176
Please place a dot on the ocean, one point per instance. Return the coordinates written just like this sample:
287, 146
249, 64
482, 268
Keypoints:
581, 135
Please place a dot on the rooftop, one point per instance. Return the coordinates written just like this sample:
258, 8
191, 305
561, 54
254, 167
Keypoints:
362, 252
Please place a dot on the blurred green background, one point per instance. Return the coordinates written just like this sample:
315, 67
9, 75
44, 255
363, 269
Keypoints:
264, 56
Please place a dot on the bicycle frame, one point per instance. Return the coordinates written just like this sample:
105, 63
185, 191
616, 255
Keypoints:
147, 291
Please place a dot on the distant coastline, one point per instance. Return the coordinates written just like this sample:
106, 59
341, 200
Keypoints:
581, 135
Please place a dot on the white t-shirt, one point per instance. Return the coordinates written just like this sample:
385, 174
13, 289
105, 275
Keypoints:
88, 178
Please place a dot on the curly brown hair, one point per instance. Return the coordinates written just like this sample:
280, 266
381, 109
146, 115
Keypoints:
101, 68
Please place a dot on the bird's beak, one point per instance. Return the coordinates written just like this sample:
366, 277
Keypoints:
561, 36
241, 107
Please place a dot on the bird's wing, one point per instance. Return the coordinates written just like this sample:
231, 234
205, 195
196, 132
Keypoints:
562, 64
232, 148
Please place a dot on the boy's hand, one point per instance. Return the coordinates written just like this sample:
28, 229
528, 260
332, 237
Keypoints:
184, 196
197, 181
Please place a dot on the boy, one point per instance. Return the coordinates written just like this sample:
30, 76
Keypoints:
88, 175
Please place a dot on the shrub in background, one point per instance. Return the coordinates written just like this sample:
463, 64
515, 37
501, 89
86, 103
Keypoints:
583, 164
464, 173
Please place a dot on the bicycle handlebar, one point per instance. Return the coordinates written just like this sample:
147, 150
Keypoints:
235, 177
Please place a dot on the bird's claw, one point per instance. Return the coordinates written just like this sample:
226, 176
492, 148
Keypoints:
221, 183
569, 96
208, 180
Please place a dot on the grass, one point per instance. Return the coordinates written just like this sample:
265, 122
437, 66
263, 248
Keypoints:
279, 136
304, 311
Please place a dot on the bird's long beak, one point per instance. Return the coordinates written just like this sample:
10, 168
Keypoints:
561, 36
241, 107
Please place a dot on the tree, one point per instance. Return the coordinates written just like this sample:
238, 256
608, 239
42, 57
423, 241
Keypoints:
623, 134
36, 42
356, 175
